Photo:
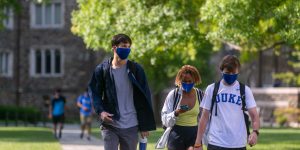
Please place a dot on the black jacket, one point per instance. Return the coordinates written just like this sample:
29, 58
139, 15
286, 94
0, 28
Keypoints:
103, 92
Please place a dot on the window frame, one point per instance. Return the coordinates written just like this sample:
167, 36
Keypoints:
10, 66
52, 21
43, 50
9, 19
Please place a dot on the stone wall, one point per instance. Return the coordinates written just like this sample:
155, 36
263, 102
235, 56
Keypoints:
269, 99
78, 64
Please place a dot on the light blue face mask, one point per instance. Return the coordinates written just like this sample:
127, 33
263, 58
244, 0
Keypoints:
230, 78
123, 52
187, 86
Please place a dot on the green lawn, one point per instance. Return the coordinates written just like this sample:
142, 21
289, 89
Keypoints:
269, 139
36, 138
27, 138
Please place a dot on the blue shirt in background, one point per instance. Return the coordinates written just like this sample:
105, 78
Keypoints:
86, 102
58, 106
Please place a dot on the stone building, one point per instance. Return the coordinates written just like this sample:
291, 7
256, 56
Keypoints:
38, 53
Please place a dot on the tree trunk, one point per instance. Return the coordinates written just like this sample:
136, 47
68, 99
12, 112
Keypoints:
17, 51
260, 68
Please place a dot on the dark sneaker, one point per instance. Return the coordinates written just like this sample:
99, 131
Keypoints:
88, 138
81, 135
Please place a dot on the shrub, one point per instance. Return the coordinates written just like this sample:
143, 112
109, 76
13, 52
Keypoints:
29, 114
286, 115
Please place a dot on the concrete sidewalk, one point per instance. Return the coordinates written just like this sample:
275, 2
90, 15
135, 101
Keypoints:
70, 140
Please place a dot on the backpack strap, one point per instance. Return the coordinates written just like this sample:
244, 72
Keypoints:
214, 97
243, 97
132, 67
242, 92
199, 97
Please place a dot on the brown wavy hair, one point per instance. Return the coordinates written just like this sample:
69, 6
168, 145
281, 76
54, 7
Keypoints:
230, 62
188, 69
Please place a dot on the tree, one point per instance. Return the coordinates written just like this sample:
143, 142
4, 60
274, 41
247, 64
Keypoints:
252, 24
165, 33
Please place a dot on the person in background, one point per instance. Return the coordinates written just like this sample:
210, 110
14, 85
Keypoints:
56, 112
85, 104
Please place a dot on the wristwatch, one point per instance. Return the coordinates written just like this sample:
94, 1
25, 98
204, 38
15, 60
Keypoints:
256, 131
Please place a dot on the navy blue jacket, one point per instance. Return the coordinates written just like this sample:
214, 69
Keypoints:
103, 92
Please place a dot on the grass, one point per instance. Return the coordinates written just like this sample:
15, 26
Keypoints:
37, 138
27, 138
269, 139
96, 132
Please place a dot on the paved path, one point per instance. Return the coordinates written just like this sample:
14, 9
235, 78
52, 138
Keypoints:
71, 141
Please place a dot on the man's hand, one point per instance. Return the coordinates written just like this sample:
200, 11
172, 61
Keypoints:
144, 134
49, 116
85, 108
252, 140
106, 117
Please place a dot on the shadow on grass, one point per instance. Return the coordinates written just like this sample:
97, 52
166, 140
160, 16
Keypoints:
33, 135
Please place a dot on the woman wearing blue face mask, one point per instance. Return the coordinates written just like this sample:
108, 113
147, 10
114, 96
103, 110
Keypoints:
181, 109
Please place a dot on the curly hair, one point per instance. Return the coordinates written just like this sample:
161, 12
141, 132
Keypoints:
188, 69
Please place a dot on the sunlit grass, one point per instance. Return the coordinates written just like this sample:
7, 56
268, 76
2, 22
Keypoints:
27, 138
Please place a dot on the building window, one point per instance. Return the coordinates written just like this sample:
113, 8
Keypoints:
46, 62
8, 20
47, 15
6, 64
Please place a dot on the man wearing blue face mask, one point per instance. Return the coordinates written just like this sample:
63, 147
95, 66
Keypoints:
122, 98
224, 106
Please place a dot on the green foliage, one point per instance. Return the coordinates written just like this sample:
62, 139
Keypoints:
29, 114
253, 24
165, 33
285, 115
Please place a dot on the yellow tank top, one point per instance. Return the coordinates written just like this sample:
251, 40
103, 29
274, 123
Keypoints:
189, 118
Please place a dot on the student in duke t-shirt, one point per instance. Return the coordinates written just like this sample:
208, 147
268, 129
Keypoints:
227, 127
56, 112
85, 104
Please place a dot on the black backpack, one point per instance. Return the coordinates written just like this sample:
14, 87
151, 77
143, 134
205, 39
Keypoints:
242, 92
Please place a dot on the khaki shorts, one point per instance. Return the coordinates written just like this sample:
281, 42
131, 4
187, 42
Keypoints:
85, 119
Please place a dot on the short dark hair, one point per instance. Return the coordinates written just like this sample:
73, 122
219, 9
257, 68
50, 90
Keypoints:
230, 62
120, 38
57, 90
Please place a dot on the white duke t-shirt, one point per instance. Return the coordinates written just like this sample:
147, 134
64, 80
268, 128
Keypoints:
228, 129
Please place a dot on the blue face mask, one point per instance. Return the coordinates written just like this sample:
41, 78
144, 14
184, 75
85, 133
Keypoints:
187, 86
230, 78
123, 52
